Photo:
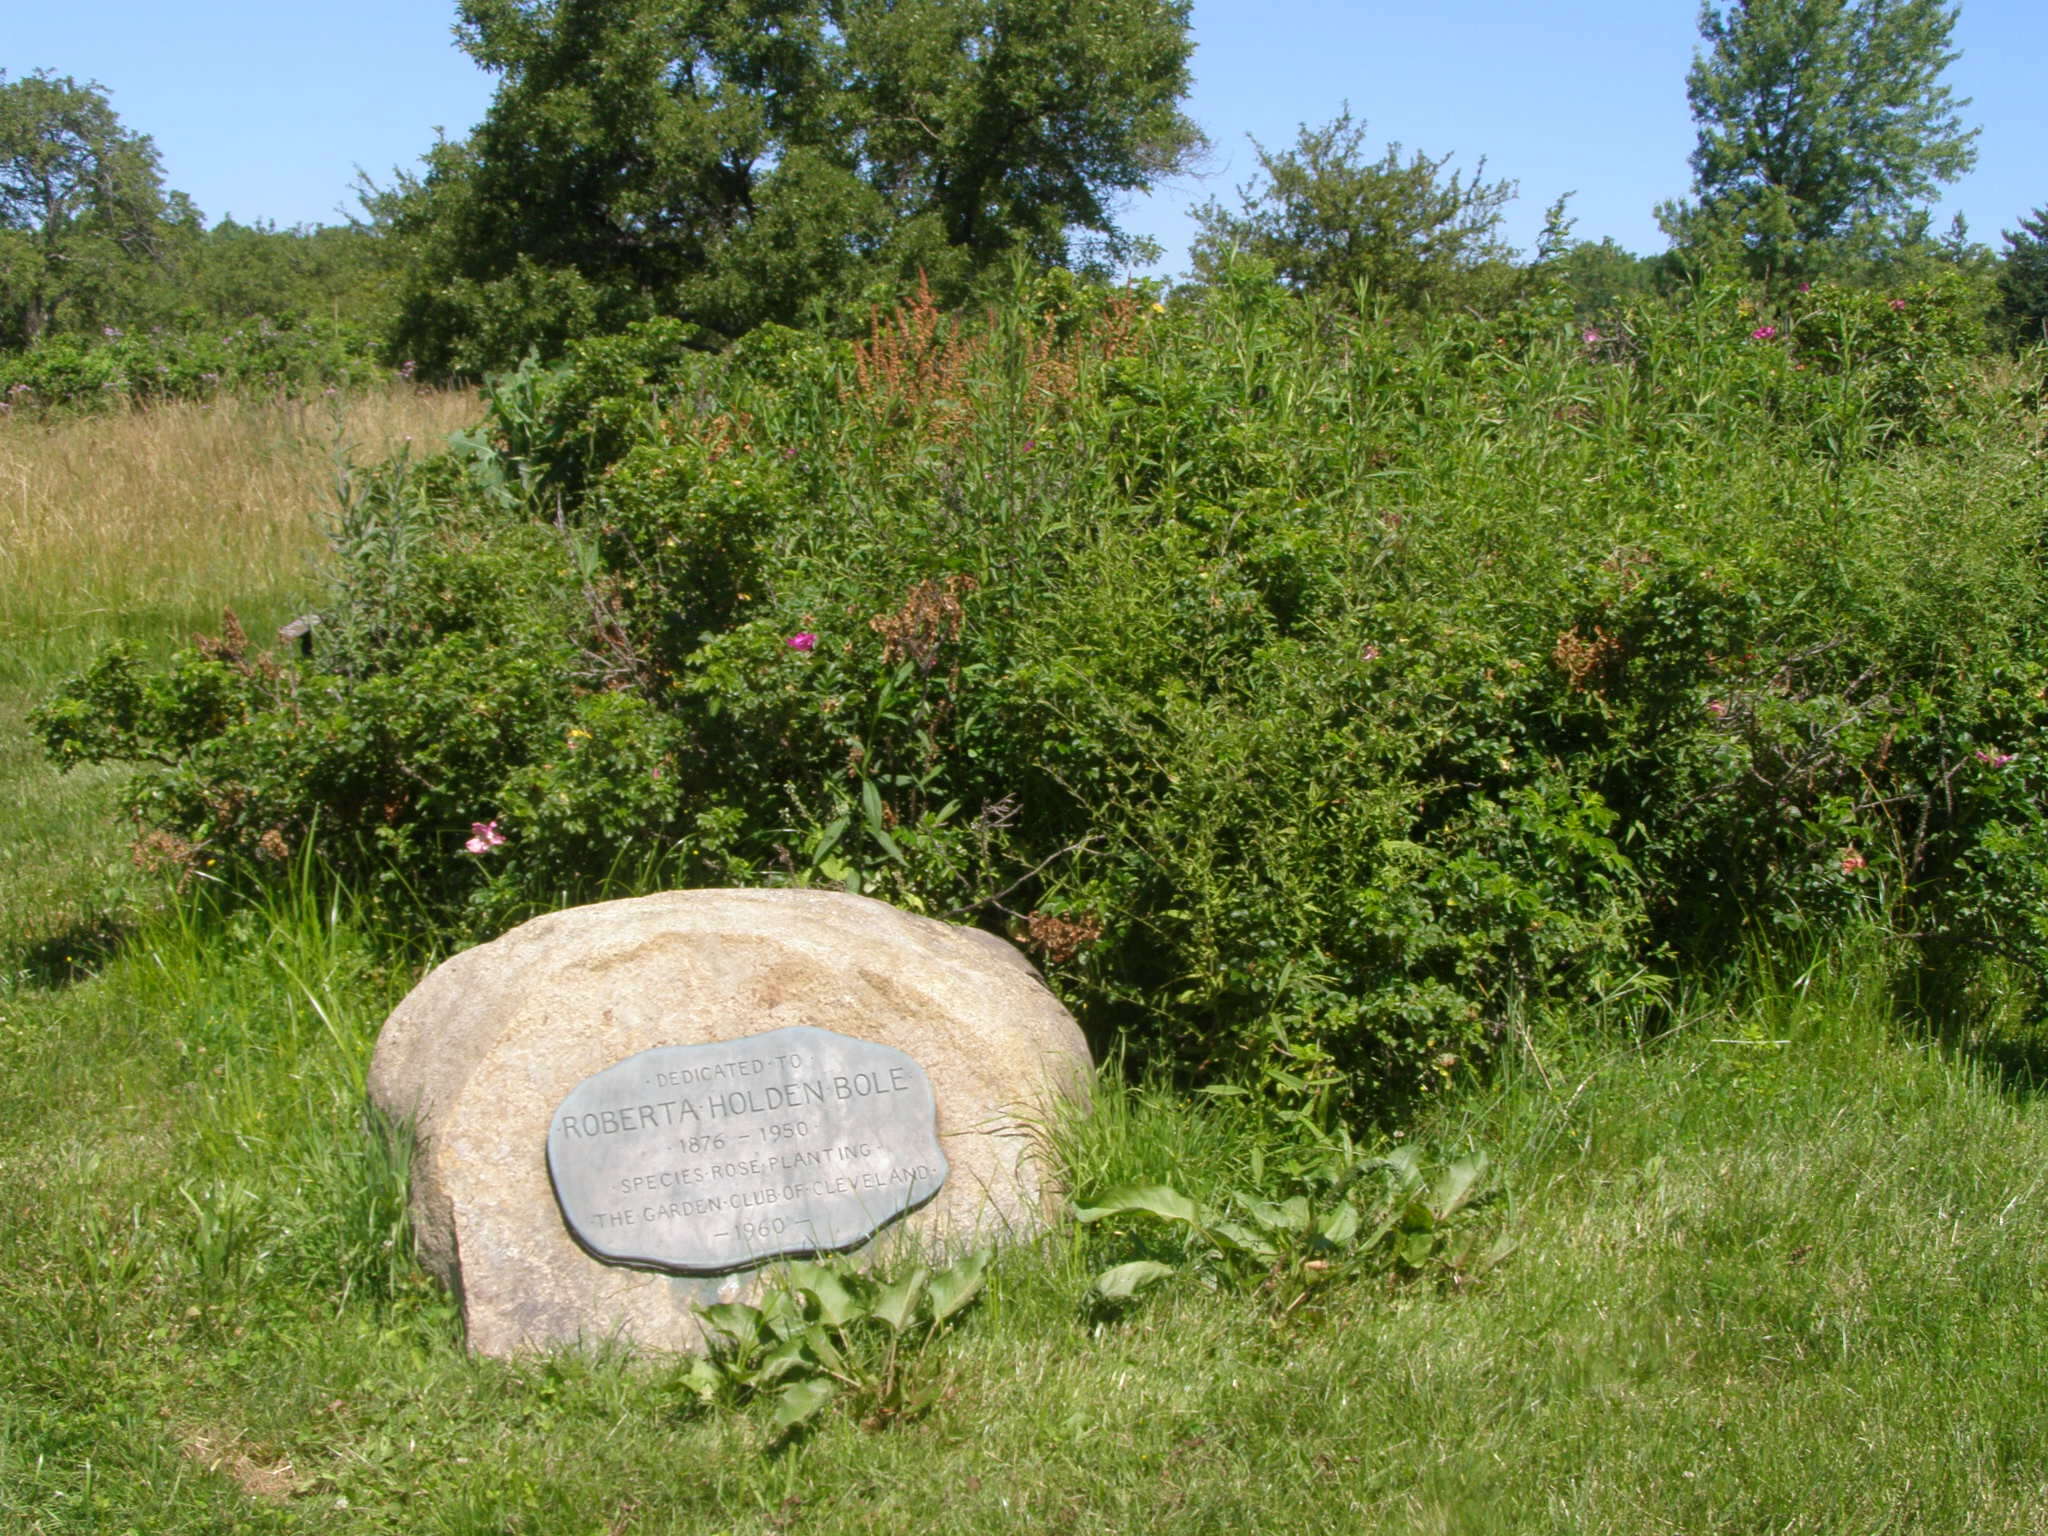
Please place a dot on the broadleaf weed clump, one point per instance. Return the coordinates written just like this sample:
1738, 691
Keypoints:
1311, 691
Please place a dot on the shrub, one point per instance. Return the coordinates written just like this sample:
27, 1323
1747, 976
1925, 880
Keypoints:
1308, 693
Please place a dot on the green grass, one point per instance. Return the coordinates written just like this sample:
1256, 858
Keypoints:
1780, 1270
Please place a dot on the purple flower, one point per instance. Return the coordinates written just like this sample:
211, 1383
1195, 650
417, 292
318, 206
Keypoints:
407, 368
483, 837
1030, 443
1806, 287
1592, 337
1717, 709
1991, 757
802, 642
1764, 333
1369, 652
1898, 303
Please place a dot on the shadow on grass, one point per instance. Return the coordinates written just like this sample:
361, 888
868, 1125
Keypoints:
77, 952
1987, 1013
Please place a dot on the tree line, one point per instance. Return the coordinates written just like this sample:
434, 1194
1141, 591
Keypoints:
730, 163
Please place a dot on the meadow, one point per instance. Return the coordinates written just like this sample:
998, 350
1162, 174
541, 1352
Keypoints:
1777, 1222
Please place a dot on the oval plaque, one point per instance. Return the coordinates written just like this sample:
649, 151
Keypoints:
709, 1158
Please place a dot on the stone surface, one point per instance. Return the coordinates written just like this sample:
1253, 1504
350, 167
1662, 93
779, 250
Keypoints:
708, 1158
485, 1050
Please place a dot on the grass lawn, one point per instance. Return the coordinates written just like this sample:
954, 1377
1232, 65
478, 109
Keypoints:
1779, 1269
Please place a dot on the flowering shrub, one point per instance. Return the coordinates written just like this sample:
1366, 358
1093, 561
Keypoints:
1306, 694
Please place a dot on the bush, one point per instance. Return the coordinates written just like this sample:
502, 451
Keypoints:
1309, 694
128, 368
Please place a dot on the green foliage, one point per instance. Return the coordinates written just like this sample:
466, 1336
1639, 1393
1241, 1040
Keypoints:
1406, 1226
119, 368
2023, 278
1820, 121
732, 164
827, 1333
1328, 219
82, 208
1311, 695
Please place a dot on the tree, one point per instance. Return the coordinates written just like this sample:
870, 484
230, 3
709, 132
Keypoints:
1328, 218
82, 207
735, 161
2023, 279
1820, 121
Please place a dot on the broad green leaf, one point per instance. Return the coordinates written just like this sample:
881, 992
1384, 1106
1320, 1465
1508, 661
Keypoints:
792, 1354
1404, 1164
896, 1304
703, 1378
836, 1304
1455, 1186
829, 838
958, 1284
1126, 1280
818, 1340
1151, 1199
1244, 1240
737, 1321
800, 1401
1416, 1248
1340, 1226
1288, 1216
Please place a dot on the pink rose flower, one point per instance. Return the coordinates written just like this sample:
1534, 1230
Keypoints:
802, 642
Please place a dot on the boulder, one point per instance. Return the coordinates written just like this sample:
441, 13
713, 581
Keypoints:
481, 1058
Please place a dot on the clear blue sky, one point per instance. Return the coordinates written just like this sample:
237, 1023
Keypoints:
265, 110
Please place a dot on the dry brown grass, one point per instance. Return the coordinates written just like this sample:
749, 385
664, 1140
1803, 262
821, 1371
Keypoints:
144, 526
186, 505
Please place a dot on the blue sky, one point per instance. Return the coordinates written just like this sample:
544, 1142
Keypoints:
263, 110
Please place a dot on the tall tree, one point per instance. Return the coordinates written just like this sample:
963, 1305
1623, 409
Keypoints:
82, 206
1819, 121
733, 161
1330, 217
2023, 278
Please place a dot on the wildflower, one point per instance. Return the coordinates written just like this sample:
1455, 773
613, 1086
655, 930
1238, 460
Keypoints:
1764, 333
1806, 287
110, 333
1592, 337
407, 368
1852, 861
1030, 443
805, 641
1991, 757
1369, 652
1717, 708
1898, 304
483, 837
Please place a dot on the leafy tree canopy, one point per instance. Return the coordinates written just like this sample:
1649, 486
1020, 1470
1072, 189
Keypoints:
2023, 279
735, 161
82, 207
1328, 217
1820, 121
